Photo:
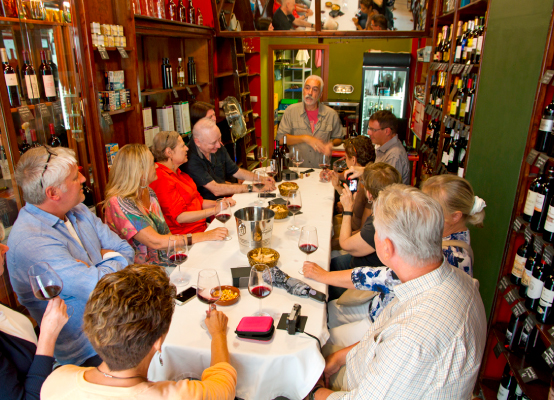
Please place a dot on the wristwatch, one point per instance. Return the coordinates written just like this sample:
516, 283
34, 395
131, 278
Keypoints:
249, 188
347, 213
311, 395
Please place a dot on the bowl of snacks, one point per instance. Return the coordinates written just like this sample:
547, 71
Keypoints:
229, 296
263, 255
286, 187
328, 4
335, 7
281, 211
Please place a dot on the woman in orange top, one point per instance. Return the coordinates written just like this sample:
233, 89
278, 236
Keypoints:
184, 209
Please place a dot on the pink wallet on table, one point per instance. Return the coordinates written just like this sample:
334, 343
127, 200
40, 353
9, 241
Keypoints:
256, 328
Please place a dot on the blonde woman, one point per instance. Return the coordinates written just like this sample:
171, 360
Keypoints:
132, 210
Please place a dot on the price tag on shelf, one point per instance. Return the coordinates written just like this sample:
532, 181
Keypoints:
503, 284
512, 295
547, 77
537, 244
518, 309
498, 349
57, 105
530, 322
446, 117
517, 224
467, 69
541, 161
42, 109
190, 91
25, 114
199, 88
175, 93
548, 254
451, 67
103, 53
466, 131
548, 356
528, 233
423, 147
532, 156
528, 374
122, 52
107, 117
551, 331
437, 113
458, 125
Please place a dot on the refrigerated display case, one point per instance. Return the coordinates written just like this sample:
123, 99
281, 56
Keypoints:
385, 82
40, 91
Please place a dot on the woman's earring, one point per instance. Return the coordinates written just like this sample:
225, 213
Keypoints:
160, 358
143, 187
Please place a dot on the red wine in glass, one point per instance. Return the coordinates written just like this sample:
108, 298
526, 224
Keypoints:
178, 258
223, 218
294, 204
260, 291
307, 248
308, 242
324, 166
207, 298
48, 292
208, 289
294, 208
259, 185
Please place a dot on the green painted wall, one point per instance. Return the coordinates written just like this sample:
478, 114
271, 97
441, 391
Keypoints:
345, 64
515, 42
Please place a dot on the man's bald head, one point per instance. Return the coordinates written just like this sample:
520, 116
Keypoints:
207, 136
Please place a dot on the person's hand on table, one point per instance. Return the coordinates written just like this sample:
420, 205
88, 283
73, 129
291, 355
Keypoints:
325, 175
354, 171
216, 321
346, 198
268, 187
269, 179
313, 271
215, 234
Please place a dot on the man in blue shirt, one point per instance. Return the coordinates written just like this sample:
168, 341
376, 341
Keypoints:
55, 227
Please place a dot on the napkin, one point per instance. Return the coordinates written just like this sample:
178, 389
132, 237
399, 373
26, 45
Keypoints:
282, 280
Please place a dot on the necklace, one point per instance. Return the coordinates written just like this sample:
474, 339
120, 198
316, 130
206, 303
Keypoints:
119, 377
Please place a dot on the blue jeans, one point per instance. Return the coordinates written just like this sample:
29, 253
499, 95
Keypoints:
339, 263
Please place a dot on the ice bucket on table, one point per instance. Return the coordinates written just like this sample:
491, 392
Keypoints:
254, 227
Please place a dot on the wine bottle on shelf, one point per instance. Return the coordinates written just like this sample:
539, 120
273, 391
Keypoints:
536, 283
458, 53
165, 80
508, 384
48, 85
446, 146
89, 197
470, 100
181, 12
520, 260
465, 41
31, 83
34, 140
54, 69
171, 10
180, 73
544, 134
544, 194
544, 309
199, 18
192, 14
454, 154
54, 139
518, 394
480, 38
191, 69
446, 50
531, 199
24, 144
532, 262
277, 157
285, 154
4, 165
437, 57
513, 331
10, 8
461, 157
11, 79
528, 339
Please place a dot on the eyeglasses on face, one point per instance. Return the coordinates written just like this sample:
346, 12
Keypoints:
50, 154
373, 130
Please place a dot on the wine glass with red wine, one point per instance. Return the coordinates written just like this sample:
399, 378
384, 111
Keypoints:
294, 204
258, 183
271, 169
46, 283
223, 213
260, 285
262, 155
208, 289
177, 253
308, 242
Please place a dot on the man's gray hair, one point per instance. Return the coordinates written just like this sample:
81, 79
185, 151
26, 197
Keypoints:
319, 79
412, 221
203, 125
30, 172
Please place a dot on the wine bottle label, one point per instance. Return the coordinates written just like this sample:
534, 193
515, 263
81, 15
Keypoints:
461, 172
479, 43
525, 278
32, 86
530, 203
444, 157
547, 297
462, 154
468, 104
508, 335
539, 203
519, 266
49, 86
458, 52
11, 79
463, 110
503, 393
549, 223
182, 74
546, 125
535, 288
5, 169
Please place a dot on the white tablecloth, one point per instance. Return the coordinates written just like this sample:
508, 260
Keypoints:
287, 365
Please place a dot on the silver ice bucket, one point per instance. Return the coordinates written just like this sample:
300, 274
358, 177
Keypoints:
254, 227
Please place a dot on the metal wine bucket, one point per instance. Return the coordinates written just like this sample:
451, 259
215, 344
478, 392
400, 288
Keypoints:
254, 227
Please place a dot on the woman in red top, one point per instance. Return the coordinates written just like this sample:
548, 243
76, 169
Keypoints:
185, 211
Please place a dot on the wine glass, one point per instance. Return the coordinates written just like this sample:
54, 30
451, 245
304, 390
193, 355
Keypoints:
271, 169
208, 289
262, 155
297, 158
223, 213
324, 164
308, 242
294, 204
46, 283
258, 182
258, 287
177, 253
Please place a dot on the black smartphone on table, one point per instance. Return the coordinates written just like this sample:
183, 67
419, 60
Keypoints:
185, 295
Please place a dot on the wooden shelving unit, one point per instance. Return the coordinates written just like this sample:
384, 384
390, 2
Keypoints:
491, 369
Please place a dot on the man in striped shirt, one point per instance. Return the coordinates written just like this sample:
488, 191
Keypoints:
429, 341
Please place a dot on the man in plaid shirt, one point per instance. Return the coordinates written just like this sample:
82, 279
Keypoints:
429, 341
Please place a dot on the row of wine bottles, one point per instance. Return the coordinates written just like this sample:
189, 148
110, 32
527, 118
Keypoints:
539, 205
167, 73
34, 90
281, 155
169, 9
460, 105
509, 389
29, 139
533, 273
545, 140
468, 45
